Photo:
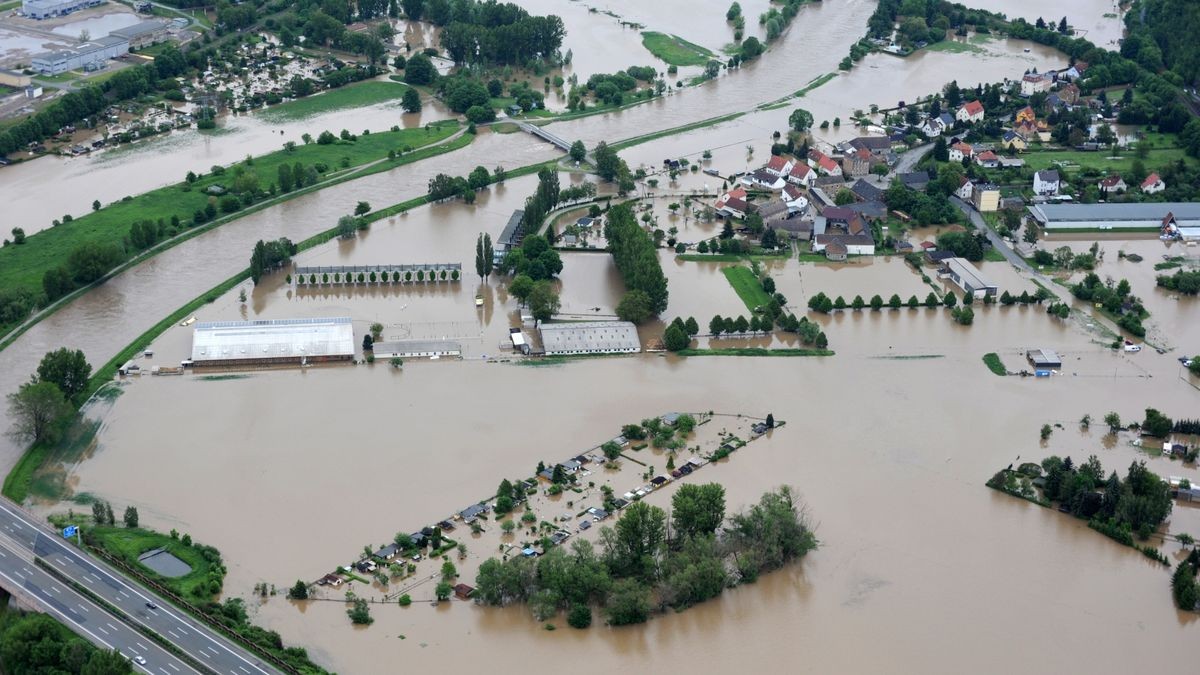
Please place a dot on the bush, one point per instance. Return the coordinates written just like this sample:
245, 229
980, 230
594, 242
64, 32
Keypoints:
580, 616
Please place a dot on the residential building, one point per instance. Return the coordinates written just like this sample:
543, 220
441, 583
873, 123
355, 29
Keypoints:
987, 159
773, 211
779, 166
1112, 183
915, 180
1127, 216
735, 193
1069, 93
1025, 114
1014, 141
960, 151
965, 189
986, 197
801, 174
1033, 83
1153, 184
855, 244
967, 277
969, 112
866, 190
857, 163
763, 180
794, 198
932, 127
1075, 72
823, 163
735, 208
1046, 182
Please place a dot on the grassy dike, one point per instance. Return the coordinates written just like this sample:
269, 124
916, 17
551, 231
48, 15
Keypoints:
434, 148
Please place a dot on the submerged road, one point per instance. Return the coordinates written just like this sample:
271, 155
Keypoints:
25, 539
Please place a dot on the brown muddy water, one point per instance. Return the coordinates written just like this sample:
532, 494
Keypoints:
1099, 21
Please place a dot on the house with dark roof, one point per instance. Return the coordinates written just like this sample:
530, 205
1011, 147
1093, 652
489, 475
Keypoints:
866, 191
876, 145
871, 210
773, 211
916, 180
764, 180
1046, 182
1113, 183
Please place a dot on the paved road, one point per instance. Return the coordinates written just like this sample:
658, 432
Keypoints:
77, 612
193, 638
997, 243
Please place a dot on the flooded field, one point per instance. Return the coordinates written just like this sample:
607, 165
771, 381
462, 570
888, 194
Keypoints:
1099, 21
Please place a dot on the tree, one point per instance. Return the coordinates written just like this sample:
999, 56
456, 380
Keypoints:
858, 303
578, 151
611, 450
877, 302
131, 516
66, 369
520, 287
411, 101
894, 301
628, 602
770, 421
950, 300
633, 547
37, 411
543, 301
1156, 424
931, 300
443, 591
299, 591
1031, 235
691, 327
676, 338
716, 325
698, 509
360, 613
635, 306
484, 256
580, 616
608, 164
800, 120
419, 70
479, 178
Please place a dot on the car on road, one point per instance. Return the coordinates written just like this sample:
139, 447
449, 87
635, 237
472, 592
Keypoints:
141, 660
151, 605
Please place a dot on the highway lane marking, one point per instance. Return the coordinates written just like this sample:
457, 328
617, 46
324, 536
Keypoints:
3, 555
124, 594
243, 668
87, 579
83, 608
174, 667
111, 626
144, 647
201, 653
55, 588
101, 629
67, 619
173, 633
60, 562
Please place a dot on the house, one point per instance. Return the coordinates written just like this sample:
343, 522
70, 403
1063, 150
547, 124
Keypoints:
669, 419
871, 209
387, 553
735, 193
857, 163
855, 244
932, 127
965, 189
1153, 184
1112, 183
779, 166
794, 198
835, 251
330, 580
1011, 162
1044, 359
960, 151
947, 121
986, 197
763, 179
1014, 141
801, 174
1046, 182
987, 159
473, 512
880, 146
774, 210
1025, 114
796, 228
843, 220
866, 191
463, 591
916, 180
1075, 72
1033, 83
1013, 203
823, 163
969, 112
1069, 93
735, 208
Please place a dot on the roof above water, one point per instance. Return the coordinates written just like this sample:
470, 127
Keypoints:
273, 338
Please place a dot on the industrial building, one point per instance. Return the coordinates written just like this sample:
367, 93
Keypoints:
415, 349
592, 337
272, 342
967, 277
142, 34
11, 78
86, 56
1125, 216
45, 9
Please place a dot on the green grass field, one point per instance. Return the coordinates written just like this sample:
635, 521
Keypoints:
128, 543
357, 95
815, 83
675, 50
1163, 149
994, 364
955, 47
747, 286
23, 266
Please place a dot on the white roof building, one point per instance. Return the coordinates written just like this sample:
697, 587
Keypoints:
230, 343
593, 337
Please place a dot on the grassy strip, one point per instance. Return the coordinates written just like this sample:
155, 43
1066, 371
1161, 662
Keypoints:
129, 543
125, 618
815, 83
994, 364
24, 266
414, 156
357, 95
754, 351
747, 286
955, 47
675, 50
638, 140
1100, 160
17, 482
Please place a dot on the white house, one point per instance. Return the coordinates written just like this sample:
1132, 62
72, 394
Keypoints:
1046, 182
960, 151
823, 163
1113, 183
779, 166
801, 174
1032, 83
969, 112
965, 189
764, 180
794, 198
1153, 184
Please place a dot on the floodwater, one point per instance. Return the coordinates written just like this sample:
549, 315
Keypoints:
1099, 21
98, 26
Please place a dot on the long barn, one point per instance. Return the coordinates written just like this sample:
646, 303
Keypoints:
272, 342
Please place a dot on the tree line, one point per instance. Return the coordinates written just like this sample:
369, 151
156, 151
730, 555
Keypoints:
36, 643
636, 258
270, 255
648, 563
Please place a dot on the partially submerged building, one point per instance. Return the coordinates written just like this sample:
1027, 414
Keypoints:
590, 337
510, 236
272, 342
1124, 216
967, 277
415, 349
1044, 359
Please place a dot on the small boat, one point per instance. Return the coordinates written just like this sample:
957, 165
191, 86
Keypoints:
188, 322
1027, 50
479, 301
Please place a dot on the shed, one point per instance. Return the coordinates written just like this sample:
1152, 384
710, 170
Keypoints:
1044, 359
463, 591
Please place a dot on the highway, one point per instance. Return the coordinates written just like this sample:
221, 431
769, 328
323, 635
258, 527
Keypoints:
25, 538
80, 614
